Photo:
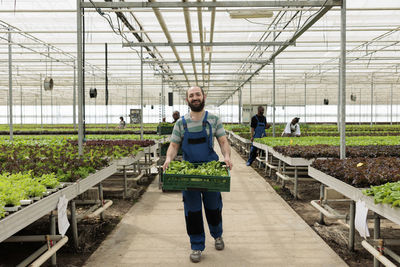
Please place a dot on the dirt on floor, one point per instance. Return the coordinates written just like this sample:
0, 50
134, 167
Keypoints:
334, 232
91, 233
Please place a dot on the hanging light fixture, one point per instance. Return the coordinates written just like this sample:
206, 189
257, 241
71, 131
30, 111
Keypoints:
48, 83
250, 13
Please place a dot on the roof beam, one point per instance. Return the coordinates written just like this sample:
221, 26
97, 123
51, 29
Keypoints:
215, 61
133, 44
240, 4
221, 81
212, 73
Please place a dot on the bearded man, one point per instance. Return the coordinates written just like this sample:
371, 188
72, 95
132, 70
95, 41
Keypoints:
195, 132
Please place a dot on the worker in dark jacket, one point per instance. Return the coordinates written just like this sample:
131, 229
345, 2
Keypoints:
257, 128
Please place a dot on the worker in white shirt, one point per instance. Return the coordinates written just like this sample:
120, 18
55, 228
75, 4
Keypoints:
292, 128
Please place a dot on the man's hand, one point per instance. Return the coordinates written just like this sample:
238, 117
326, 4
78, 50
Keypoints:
166, 163
252, 139
228, 163
267, 126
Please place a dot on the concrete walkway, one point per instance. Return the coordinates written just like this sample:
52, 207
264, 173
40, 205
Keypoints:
260, 229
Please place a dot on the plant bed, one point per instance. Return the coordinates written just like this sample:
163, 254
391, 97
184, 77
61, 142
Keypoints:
334, 233
92, 232
328, 151
361, 172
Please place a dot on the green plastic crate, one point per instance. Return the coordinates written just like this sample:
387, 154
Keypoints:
196, 182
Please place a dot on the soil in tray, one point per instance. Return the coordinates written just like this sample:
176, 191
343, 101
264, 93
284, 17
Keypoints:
91, 233
334, 233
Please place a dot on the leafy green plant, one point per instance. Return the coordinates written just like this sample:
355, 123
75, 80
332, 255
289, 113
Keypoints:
212, 168
49, 180
388, 193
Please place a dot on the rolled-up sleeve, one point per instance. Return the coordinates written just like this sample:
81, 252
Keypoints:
220, 131
176, 136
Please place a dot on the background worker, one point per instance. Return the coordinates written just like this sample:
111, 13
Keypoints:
122, 123
176, 116
195, 132
292, 128
257, 129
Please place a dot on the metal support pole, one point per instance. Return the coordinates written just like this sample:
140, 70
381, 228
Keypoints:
338, 100
126, 100
273, 88
101, 198
162, 99
36, 122
74, 225
295, 182
80, 77
141, 91
360, 108
125, 183
74, 99
10, 99
343, 80
41, 102
372, 98
240, 105
391, 104
284, 114
53, 232
51, 104
321, 199
377, 234
106, 81
351, 225
21, 104
251, 100
305, 98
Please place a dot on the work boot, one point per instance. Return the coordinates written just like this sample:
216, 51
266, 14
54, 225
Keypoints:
219, 243
195, 256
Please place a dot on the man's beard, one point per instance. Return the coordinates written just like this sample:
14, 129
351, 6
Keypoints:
197, 108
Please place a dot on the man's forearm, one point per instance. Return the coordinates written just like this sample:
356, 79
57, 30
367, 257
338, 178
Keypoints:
226, 150
171, 152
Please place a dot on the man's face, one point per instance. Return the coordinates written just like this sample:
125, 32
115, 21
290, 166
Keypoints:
175, 115
261, 111
195, 99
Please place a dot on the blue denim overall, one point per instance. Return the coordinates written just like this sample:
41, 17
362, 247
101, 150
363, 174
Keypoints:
259, 132
198, 147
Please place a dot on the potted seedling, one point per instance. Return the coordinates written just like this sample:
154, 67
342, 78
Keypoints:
36, 190
50, 182
12, 199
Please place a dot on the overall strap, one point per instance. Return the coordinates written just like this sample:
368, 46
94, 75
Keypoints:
184, 124
256, 118
205, 119
210, 137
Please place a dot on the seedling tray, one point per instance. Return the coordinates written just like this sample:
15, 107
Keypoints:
188, 182
162, 130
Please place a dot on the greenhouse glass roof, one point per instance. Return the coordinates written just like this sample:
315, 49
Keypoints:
231, 47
